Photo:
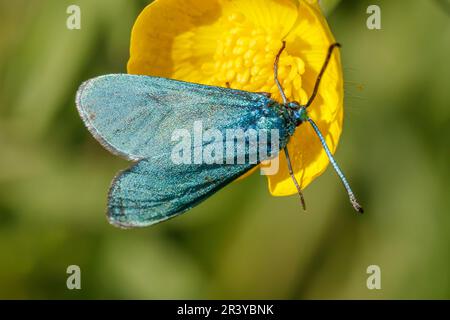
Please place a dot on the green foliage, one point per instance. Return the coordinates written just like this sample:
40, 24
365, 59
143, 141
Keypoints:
241, 243
328, 6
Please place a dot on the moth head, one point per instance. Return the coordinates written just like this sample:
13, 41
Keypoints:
299, 112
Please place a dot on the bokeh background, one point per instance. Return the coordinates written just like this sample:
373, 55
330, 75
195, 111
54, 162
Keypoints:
241, 243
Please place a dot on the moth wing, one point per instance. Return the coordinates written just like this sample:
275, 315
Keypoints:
150, 192
135, 116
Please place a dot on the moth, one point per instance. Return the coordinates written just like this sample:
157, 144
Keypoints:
134, 116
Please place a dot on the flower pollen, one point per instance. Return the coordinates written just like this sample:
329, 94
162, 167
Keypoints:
244, 58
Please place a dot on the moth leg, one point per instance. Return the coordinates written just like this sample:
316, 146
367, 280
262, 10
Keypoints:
291, 172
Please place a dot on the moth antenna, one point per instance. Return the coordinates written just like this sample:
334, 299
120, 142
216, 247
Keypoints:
291, 172
275, 71
338, 170
321, 73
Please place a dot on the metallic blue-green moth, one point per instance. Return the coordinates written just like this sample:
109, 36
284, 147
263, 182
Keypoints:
135, 116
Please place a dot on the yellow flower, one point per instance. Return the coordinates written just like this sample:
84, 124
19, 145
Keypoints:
216, 42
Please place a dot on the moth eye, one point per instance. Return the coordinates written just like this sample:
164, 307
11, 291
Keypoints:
293, 105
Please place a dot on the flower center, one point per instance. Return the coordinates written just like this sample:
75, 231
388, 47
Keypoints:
244, 59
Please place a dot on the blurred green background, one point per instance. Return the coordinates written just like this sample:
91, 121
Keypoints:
241, 243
